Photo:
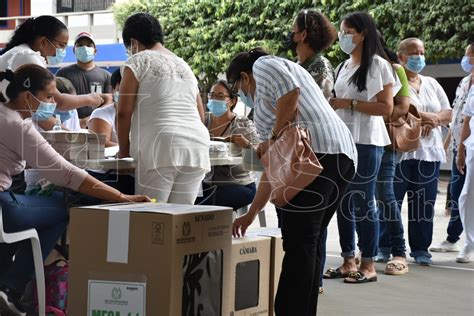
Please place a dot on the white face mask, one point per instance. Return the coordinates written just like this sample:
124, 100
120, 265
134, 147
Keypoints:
346, 44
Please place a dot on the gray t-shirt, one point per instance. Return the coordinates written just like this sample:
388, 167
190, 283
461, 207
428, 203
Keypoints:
87, 81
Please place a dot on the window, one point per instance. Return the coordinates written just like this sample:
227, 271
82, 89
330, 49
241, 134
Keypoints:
64, 6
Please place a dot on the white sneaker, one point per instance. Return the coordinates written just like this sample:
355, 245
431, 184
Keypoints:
464, 256
445, 246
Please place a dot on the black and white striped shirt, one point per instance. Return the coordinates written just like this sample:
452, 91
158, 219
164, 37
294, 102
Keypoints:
275, 77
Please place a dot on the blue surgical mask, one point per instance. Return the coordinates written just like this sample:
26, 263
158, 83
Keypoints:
415, 63
345, 42
246, 99
60, 55
217, 107
44, 111
84, 54
116, 96
466, 66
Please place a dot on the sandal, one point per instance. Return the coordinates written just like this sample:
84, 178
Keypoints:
321, 290
336, 273
396, 267
359, 278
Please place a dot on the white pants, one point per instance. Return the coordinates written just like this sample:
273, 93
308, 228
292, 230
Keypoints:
178, 185
466, 201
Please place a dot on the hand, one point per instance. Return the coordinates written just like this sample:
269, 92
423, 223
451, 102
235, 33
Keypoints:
461, 160
133, 198
263, 147
338, 103
240, 225
123, 154
240, 140
426, 130
107, 98
97, 100
430, 119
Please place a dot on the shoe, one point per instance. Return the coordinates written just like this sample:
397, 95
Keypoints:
10, 302
464, 256
359, 278
445, 246
423, 260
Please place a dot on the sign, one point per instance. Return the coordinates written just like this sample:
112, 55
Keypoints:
107, 298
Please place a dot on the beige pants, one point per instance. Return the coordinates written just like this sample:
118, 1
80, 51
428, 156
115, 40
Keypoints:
466, 201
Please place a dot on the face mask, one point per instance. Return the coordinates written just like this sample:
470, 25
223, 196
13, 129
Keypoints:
290, 44
345, 42
246, 99
59, 57
84, 54
217, 107
415, 63
466, 66
115, 96
44, 111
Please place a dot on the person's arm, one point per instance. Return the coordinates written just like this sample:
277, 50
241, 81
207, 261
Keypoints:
95, 188
286, 109
461, 154
66, 102
400, 107
100, 126
261, 198
200, 106
382, 107
126, 106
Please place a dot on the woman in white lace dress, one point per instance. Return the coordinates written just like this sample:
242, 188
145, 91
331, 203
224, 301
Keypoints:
158, 122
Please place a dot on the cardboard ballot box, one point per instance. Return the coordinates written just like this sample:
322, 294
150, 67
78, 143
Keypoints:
80, 145
149, 259
249, 276
277, 254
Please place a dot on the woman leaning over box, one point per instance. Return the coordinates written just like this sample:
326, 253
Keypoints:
28, 88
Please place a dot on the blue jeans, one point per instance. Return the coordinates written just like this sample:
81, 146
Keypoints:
391, 240
457, 182
358, 205
233, 195
419, 180
48, 215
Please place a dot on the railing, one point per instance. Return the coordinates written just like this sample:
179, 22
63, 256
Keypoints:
103, 33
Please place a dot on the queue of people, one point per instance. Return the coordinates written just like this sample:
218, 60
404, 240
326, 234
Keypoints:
156, 117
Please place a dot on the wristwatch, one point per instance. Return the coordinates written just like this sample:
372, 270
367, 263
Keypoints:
353, 105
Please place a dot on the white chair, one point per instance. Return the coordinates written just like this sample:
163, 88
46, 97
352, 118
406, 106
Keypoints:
10, 238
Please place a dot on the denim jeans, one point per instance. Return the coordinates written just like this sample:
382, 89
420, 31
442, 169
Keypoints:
233, 195
419, 180
457, 182
303, 220
391, 240
358, 206
48, 215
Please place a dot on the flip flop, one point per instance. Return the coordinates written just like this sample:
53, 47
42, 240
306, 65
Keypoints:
336, 273
395, 267
359, 278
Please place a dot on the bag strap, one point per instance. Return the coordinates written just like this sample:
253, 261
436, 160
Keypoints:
338, 71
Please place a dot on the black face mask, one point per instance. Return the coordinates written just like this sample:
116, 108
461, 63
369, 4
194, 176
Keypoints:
290, 44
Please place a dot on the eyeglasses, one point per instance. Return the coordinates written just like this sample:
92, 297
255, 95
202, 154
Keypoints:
217, 96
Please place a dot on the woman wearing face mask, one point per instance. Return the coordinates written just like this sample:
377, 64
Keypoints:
455, 227
284, 92
312, 34
28, 89
228, 185
158, 122
418, 172
363, 95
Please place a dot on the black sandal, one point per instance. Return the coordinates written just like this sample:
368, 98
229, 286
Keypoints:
359, 278
336, 273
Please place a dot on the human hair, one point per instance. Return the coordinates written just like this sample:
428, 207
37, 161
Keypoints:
143, 27
32, 28
115, 78
243, 62
321, 33
387, 53
225, 85
404, 44
363, 23
30, 77
65, 85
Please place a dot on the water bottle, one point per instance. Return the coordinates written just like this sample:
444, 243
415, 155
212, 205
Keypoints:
57, 124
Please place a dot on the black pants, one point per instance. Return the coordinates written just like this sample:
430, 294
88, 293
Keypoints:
302, 222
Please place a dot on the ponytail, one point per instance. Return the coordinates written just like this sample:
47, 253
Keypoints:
45, 25
243, 62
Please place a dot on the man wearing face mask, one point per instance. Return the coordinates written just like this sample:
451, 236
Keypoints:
85, 75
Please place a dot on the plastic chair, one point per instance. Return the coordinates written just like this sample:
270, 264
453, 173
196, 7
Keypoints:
32, 234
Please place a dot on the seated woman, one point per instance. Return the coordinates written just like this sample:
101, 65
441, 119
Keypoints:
228, 185
28, 88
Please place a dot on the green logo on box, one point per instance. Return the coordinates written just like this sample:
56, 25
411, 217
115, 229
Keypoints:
116, 293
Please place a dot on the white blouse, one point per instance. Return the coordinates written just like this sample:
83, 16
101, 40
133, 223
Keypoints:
431, 98
469, 111
366, 129
106, 113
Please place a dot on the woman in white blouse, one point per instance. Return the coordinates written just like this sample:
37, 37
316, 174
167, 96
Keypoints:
158, 122
363, 95
417, 174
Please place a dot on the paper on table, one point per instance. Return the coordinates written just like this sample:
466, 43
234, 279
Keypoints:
111, 151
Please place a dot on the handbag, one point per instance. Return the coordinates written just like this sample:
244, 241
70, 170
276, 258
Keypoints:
290, 164
406, 131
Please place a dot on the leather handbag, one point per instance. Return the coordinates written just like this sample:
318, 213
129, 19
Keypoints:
405, 132
290, 164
